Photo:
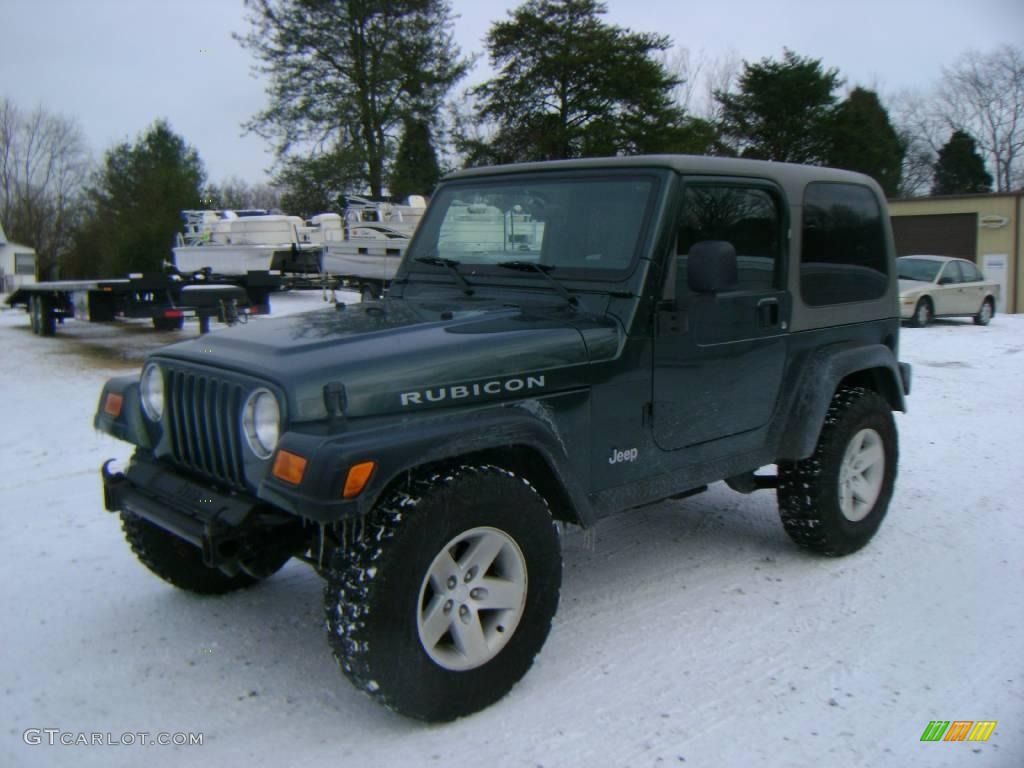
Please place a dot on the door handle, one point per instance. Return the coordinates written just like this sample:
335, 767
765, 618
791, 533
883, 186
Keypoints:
768, 312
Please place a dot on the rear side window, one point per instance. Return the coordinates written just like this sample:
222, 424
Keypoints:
843, 258
971, 273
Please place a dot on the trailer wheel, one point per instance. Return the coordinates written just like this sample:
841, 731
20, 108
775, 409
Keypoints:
168, 323
44, 322
33, 313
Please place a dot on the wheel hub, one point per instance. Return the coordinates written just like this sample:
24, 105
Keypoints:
471, 598
861, 475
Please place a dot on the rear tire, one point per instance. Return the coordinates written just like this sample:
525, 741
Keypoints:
176, 561
834, 501
985, 314
923, 313
439, 608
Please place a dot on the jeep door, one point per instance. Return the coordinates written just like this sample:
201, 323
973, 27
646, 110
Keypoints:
719, 358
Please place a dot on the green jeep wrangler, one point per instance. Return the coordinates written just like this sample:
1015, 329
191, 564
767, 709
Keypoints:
563, 341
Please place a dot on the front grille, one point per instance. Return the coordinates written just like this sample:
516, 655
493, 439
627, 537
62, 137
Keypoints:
204, 415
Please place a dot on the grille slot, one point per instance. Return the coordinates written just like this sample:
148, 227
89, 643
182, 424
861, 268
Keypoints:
204, 414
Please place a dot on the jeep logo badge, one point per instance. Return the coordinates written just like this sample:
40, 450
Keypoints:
622, 457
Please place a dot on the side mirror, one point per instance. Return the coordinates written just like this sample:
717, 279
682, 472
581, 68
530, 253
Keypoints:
711, 267
945, 281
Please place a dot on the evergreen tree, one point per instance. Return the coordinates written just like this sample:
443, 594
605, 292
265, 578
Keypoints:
416, 170
346, 73
570, 85
783, 110
864, 140
959, 168
136, 203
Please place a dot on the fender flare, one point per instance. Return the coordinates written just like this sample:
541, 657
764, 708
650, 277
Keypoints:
874, 365
402, 447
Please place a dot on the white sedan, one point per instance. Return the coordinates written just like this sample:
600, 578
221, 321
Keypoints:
940, 286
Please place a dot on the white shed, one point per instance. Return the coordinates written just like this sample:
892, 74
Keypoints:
17, 264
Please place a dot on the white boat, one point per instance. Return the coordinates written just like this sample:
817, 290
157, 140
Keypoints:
237, 242
369, 241
366, 243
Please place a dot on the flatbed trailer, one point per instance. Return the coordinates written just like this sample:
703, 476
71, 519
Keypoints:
167, 299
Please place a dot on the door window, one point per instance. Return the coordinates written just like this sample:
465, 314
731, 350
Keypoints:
951, 274
746, 217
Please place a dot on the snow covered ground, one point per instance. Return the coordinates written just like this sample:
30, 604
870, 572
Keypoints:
689, 633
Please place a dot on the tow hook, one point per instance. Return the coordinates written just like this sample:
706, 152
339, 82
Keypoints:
110, 479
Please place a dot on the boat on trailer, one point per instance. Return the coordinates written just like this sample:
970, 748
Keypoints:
238, 242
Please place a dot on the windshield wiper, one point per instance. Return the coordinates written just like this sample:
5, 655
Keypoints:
543, 269
452, 266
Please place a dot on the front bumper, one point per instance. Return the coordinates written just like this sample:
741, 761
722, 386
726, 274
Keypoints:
907, 307
229, 528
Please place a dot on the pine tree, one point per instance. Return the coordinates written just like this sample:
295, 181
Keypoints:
864, 140
136, 203
416, 170
959, 168
569, 84
783, 110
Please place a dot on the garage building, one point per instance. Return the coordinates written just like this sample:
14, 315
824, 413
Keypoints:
985, 229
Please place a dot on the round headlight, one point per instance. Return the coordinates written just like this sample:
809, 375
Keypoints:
261, 420
151, 389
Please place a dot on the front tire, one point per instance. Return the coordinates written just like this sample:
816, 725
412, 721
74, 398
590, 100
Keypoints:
834, 501
985, 314
176, 561
439, 608
923, 313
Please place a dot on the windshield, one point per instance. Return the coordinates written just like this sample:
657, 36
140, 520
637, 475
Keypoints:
923, 270
582, 226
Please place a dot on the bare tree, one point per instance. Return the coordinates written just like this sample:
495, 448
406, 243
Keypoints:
923, 132
44, 163
720, 75
983, 95
236, 193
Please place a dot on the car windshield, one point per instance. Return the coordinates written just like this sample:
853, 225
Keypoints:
923, 270
581, 226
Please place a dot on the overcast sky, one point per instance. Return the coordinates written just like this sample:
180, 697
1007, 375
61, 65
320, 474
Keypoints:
117, 65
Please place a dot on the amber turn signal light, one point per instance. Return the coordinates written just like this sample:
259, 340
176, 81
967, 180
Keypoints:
289, 467
112, 405
358, 475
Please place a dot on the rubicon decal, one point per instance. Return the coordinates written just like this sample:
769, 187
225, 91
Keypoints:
958, 730
474, 391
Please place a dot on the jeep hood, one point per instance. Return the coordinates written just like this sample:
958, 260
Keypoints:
398, 356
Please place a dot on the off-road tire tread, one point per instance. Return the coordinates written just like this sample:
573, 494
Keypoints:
353, 573
165, 555
800, 491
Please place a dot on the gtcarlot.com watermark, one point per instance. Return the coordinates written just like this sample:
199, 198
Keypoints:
55, 736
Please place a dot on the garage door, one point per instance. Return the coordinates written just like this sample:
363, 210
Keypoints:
954, 234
